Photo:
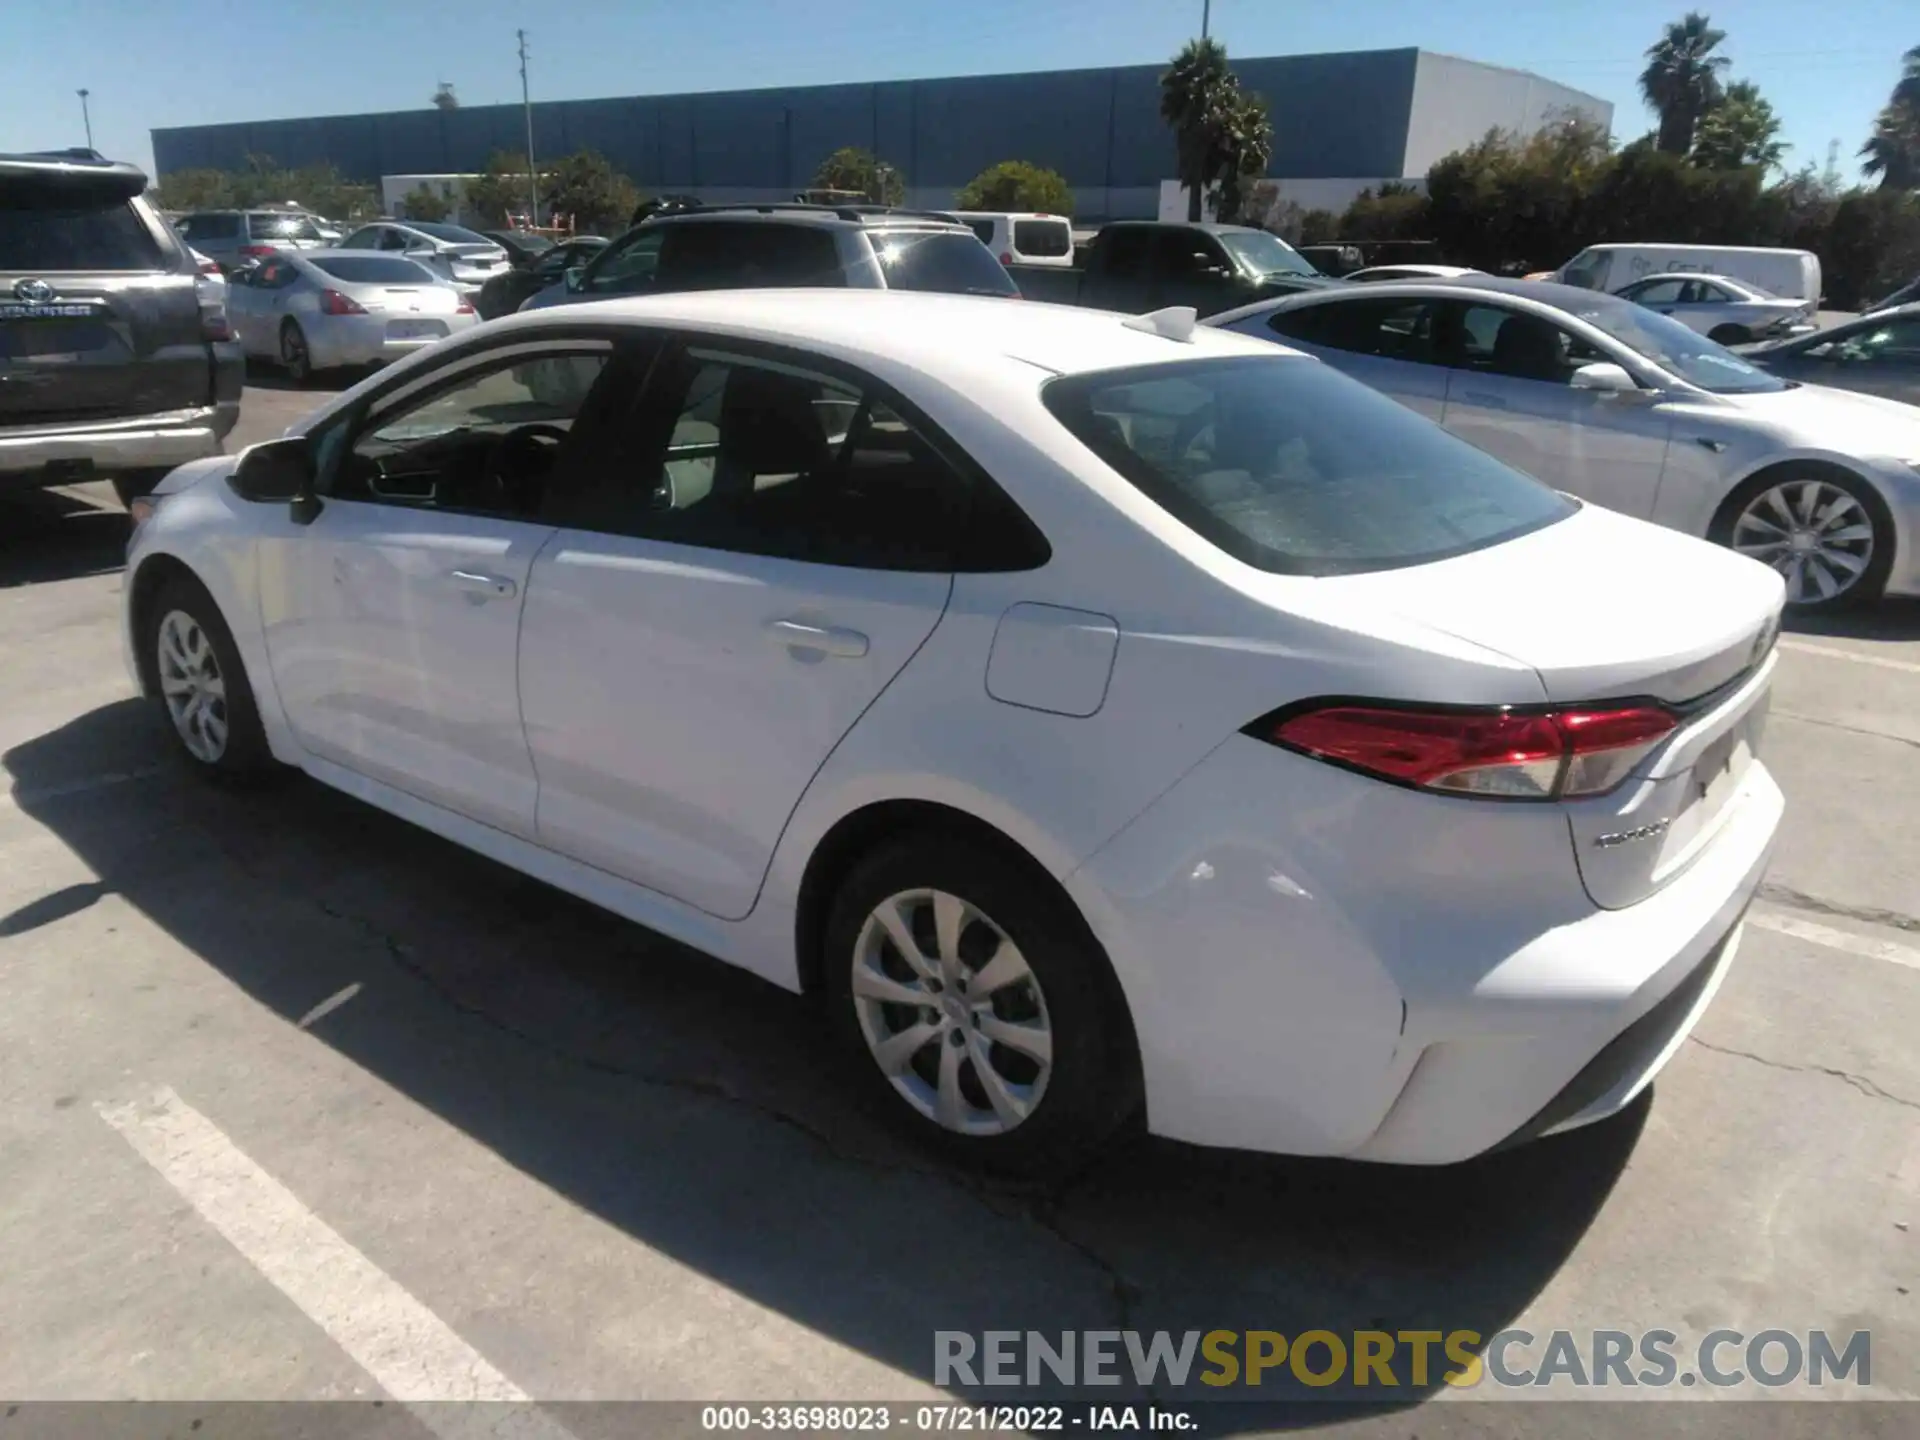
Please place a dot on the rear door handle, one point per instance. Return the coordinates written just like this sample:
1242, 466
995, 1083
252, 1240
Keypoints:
487, 587
823, 639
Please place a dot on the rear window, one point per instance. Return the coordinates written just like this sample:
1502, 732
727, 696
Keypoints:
1291, 467
277, 225
457, 234
373, 269
1046, 239
68, 230
940, 260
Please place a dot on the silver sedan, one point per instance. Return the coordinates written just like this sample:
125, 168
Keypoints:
1721, 308
328, 308
1618, 405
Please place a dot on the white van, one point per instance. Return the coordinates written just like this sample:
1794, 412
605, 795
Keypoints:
1022, 239
1790, 274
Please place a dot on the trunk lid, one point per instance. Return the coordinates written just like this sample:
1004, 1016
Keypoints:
1603, 607
99, 314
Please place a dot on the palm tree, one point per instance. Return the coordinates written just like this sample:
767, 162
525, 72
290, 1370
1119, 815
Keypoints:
1741, 130
1244, 147
1193, 92
1893, 150
1682, 80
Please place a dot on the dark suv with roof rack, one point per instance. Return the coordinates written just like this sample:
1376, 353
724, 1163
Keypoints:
111, 366
739, 247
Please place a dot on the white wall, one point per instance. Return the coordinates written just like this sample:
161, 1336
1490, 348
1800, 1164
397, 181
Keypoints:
1455, 102
394, 190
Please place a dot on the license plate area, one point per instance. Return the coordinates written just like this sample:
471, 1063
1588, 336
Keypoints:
414, 329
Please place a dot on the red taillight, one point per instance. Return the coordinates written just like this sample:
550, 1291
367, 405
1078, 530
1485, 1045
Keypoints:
1540, 756
465, 307
332, 302
209, 267
256, 250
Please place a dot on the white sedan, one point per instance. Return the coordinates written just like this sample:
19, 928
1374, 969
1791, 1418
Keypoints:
1103, 717
1722, 308
325, 309
1609, 401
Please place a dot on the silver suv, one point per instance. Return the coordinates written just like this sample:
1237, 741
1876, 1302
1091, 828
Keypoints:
732, 247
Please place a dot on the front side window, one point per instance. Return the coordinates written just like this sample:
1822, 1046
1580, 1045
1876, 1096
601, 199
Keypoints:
367, 237
1658, 292
627, 267
1667, 343
946, 261
1187, 255
767, 458
1520, 346
484, 443
1291, 467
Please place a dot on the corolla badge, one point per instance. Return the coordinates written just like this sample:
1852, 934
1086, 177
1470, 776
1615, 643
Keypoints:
1627, 837
34, 292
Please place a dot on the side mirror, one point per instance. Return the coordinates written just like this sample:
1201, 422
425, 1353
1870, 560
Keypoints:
1606, 377
576, 279
274, 470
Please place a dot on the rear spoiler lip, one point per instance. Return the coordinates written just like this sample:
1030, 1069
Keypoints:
72, 170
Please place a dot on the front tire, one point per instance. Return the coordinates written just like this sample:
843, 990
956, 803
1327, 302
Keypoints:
1827, 532
295, 358
201, 685
975, 1008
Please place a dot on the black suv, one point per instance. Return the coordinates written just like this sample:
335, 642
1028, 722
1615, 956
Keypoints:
111, 365
740, 247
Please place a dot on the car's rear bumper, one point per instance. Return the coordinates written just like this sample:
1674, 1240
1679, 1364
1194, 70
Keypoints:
363, 340
53, 453
1308, 972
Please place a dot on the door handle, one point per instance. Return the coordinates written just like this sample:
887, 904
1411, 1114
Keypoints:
486, 587
823, 639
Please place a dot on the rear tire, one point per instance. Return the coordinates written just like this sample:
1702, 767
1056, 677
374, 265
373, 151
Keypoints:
200, 685
1729, 335
295, 358
998, 1041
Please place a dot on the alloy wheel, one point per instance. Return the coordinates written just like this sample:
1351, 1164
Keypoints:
1819, 537
192, 686
952, 1013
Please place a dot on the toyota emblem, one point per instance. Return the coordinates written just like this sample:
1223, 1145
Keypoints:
33, 291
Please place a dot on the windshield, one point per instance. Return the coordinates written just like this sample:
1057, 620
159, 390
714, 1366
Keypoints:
1675, 348
1264, 254
458, 234
1290, 466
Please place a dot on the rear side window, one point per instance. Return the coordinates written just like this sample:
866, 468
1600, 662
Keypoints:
1393, 329
982, 228
754, 256
941, 260
1045, 239
64, 229
1293, 468
209, 227
373, 270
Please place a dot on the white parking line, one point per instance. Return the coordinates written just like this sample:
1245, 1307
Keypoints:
411, 1352
1833, 939
1801, 647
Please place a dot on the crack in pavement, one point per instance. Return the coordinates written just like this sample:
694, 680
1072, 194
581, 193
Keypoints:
1849, 729
1793, 899
1861, 1083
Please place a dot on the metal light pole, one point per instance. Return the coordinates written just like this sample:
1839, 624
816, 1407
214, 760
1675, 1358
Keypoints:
1206, 17
86, 116
526, 104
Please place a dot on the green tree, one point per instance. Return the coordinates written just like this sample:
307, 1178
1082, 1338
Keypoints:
1017, 185
1243, 142
1741, 130
1893, 150
1319, 227
1194, 91
195, 190
499, 190
1682, 80
585, 188
422, 203
851, 168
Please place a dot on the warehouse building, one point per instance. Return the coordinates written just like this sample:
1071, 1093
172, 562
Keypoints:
1341, 121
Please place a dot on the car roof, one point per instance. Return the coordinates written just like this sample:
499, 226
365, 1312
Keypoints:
1546, 293
936, 334
787, 212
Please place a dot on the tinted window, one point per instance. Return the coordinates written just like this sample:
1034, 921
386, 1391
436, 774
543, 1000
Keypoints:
1184, 254
459, 234
273, 275
628, 265
60, 230
1264, 254
1124, 249
1047, 239
1518, 345
443, 450
982, 228
940, 260
1658, 292
721, 255
1394, 329
209, 227
373, 270
367, 237
1890, 342
1290, 466
772, 459
276, 225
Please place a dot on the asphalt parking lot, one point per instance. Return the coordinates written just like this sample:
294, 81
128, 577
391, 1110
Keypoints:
431, 1130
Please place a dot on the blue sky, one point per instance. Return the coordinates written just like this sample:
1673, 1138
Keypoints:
154, 63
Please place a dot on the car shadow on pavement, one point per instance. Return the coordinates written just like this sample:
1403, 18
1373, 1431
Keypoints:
1893, 619
54, 535
699, 1110
264, 376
